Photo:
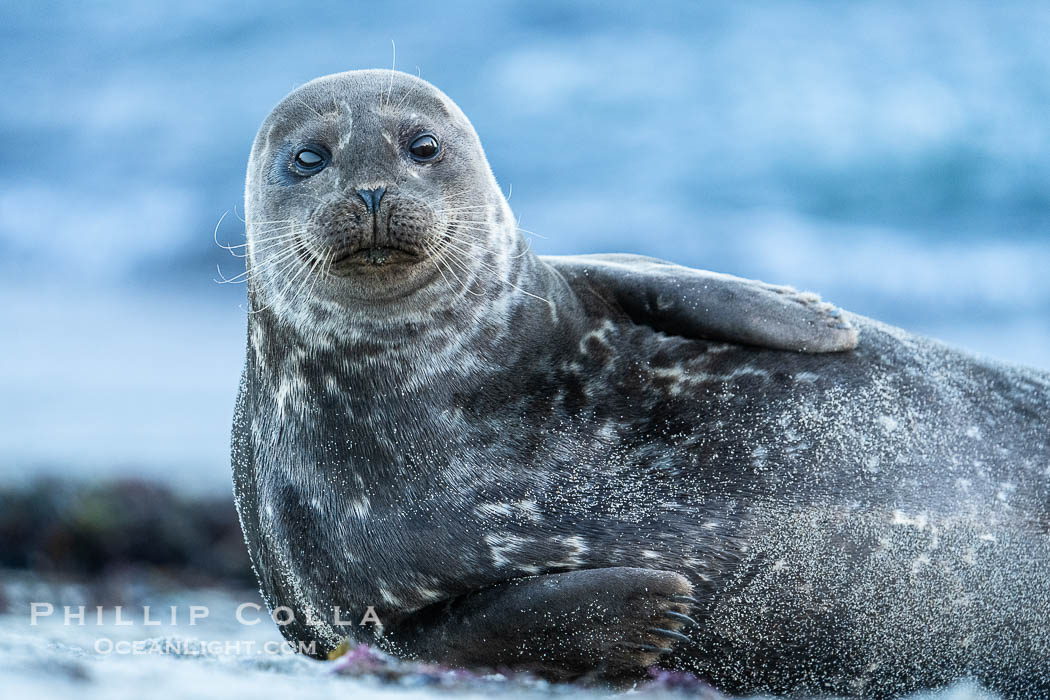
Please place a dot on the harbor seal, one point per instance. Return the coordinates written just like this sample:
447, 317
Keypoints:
582, 466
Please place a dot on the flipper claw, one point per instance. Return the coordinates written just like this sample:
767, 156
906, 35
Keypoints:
681, 617
670, 634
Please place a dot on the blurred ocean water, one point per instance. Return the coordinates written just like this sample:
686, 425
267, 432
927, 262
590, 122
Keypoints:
894, 157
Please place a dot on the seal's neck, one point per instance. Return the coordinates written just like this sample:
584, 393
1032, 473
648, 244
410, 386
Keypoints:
465, 329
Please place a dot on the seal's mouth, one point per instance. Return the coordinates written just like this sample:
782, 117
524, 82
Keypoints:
373, 257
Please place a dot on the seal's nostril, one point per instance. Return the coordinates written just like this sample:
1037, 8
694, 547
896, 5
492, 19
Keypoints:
372, 198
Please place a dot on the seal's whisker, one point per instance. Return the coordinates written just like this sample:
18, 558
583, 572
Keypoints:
314, 196
446, 256
404, 98
393, 67
279, 256
248, 273
309, 290
436, 259
258, 242
261, 242
468, 206
456, 206
526, 250
288, 261
263, 229
463, 211
508, 282
329, 262
317, 270
471, 242
479, 222
517, 225
240, 278
215, 233
518, 228
466, 226
470, 223
303, 103
530, 294
458, 227
467, 250
298, 264
271, 221
276, 235
333, 96
256, 246
232, 248
454, 263
467, 190
223, 280
280, 296
300, 286
456, 216
531, 233
269, 235
329, 256
272, 228
434, 255
255, 270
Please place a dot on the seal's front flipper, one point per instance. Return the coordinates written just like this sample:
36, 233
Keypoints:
692, 303
610, 623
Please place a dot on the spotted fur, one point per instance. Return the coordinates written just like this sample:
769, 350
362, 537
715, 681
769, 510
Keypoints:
860, 523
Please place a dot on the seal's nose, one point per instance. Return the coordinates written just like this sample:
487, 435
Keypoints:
372, 198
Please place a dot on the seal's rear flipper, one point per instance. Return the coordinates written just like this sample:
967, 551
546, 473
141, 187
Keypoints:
692, 303
613, 623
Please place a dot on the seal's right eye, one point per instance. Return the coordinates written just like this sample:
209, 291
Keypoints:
309, 161
424, 148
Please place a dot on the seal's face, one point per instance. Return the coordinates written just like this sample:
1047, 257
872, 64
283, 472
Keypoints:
363, 187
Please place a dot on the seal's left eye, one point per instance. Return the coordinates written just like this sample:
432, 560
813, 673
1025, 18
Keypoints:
424, 148
309, 160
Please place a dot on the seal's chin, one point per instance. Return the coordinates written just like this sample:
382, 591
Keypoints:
369, 273
372, 259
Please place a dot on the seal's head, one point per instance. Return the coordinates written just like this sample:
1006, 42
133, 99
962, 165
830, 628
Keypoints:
366, 189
